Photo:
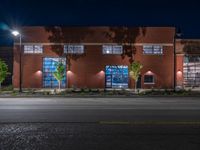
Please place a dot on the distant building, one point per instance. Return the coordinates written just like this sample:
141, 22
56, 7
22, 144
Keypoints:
188, 62
98, 57
6, 54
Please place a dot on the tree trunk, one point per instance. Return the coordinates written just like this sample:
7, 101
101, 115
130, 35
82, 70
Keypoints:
135, 86
0, 85
59, 84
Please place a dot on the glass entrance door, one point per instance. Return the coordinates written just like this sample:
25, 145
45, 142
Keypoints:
116, 76
139, 82
49, 67
109, 81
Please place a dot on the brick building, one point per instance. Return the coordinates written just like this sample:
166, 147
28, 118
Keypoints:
188, 62
96, 57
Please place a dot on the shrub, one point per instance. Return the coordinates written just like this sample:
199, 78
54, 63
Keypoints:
7, 88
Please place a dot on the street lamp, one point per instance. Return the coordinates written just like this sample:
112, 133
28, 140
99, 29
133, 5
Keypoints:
17, 33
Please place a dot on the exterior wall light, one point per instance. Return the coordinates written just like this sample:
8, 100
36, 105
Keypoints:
101, 72
149, 72
179, 73
69, 72
39, 72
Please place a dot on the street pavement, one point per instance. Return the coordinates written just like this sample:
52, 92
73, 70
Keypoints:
153, 123
92, 136
99, 109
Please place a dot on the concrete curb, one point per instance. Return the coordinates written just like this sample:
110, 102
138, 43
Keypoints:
96, 96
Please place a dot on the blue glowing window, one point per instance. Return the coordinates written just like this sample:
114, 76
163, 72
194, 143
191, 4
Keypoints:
49, 67
116, 76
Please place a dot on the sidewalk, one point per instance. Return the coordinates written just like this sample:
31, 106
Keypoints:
110, 93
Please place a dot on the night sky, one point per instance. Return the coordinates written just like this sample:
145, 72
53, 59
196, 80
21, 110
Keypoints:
184, 15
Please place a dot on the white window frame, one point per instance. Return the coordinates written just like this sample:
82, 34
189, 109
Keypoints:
149, 82
112, 49
74, 49
152, 49
33, 49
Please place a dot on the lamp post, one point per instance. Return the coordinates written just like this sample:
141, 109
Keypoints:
16, 33
176, 35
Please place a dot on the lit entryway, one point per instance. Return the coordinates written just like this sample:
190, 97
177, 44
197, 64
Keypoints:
49, 67
116, 76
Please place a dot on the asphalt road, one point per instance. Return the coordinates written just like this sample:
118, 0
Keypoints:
92, 136
162, 123
99, 109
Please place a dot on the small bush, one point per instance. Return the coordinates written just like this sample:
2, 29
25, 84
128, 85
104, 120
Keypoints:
86, 90
7, 88
94, 90
46, 93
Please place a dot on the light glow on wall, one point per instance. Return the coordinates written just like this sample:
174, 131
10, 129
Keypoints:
149, 72
101, 72
39, 72
179, 73
69, 71
70, 74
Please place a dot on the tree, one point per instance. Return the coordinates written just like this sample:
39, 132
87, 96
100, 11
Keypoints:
60, 34
59, 74
126, 36
3, 71
135, 68
191, 47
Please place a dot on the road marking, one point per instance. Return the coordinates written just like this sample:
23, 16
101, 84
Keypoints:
150, 122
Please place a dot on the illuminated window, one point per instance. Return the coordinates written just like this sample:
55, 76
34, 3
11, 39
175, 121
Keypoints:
112, 49
116, 76
73, 49
49, 67
33, 49
191, 70
153, 49
148, 79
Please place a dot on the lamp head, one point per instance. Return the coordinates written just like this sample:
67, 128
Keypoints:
178, 32
15, 33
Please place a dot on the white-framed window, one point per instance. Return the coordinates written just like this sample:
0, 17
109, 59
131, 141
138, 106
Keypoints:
33, 49
112, 49
149, 79
73, 49
153, 49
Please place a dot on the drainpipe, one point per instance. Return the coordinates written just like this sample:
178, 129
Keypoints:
176, 34
174, 42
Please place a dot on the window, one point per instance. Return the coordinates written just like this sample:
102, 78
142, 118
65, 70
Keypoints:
153, 49
191, 70
33, 49
73, 49
112, 49
116, 76
49, 67
148, 79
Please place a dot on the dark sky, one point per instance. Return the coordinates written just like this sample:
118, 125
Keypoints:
185, 15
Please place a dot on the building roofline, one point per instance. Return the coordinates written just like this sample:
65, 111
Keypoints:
187, 39
99, 26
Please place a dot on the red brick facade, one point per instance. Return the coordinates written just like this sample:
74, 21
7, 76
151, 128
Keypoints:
88, 70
